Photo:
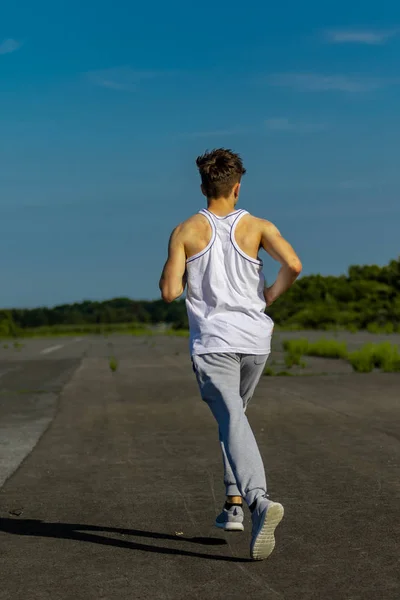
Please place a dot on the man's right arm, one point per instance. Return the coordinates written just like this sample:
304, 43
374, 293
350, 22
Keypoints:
281, 251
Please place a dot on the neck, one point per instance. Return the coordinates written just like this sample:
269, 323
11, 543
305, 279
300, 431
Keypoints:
221, 206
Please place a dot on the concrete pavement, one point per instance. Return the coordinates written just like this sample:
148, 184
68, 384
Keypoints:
118, 497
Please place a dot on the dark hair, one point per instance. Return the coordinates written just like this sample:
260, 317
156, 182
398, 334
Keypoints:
220, 170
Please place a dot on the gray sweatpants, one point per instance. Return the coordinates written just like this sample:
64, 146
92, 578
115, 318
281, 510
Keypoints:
227, 382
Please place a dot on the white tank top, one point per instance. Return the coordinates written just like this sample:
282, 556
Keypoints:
225, 299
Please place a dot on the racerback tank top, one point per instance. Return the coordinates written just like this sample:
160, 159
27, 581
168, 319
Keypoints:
225, 300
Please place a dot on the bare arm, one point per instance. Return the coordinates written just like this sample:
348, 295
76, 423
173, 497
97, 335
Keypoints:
281, 251
173, 277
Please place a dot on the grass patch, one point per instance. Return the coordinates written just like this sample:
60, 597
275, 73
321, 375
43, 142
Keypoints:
322, 348
389, 357
113, 364
362, 360
292, 359
351, 328
139, 332
294, 351
104, 329
384, 356
299, 346
268, 372
328, 349
377, 328
177, 333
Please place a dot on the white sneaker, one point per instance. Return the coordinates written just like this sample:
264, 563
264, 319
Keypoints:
231, 519
266, 516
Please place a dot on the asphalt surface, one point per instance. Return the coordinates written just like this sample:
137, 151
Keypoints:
120, 479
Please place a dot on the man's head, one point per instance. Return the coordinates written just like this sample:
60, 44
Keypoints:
221, 171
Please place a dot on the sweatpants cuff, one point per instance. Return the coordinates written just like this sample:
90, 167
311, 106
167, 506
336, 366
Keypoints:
232, 490
252, 495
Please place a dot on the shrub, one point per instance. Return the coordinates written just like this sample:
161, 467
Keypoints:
269, 372
363, 360
387, 357
113, 364
352, 328
292, 359
7, 326
377, 328
178, 333
389, 327
374, 327
323, 347
299, 346
328, 349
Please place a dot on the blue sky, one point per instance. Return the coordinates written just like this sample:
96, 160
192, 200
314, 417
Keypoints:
104, 107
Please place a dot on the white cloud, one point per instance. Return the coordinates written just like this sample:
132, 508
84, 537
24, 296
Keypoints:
370, 37
313, 82
285, 125
8, 46
120, 78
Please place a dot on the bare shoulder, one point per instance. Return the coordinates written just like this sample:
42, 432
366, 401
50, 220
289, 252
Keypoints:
261, 226
196, 220
195, 223
266, 227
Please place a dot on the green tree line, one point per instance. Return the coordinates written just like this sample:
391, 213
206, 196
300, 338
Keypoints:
368, 297
116, 311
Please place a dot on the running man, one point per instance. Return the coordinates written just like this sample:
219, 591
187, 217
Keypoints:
216, 253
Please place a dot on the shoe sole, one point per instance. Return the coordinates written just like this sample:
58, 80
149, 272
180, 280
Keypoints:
230, 526
264, 541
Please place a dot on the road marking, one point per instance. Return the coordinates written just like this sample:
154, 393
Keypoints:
54, 348
2, 373
51, 349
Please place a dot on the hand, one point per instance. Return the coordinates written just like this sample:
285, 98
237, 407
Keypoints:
269, 295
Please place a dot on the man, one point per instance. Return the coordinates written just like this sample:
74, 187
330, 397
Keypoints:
216, 253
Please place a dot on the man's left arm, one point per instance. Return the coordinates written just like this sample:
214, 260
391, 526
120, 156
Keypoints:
173, 277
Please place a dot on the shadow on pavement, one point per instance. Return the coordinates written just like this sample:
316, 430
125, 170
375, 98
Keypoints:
78, 532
